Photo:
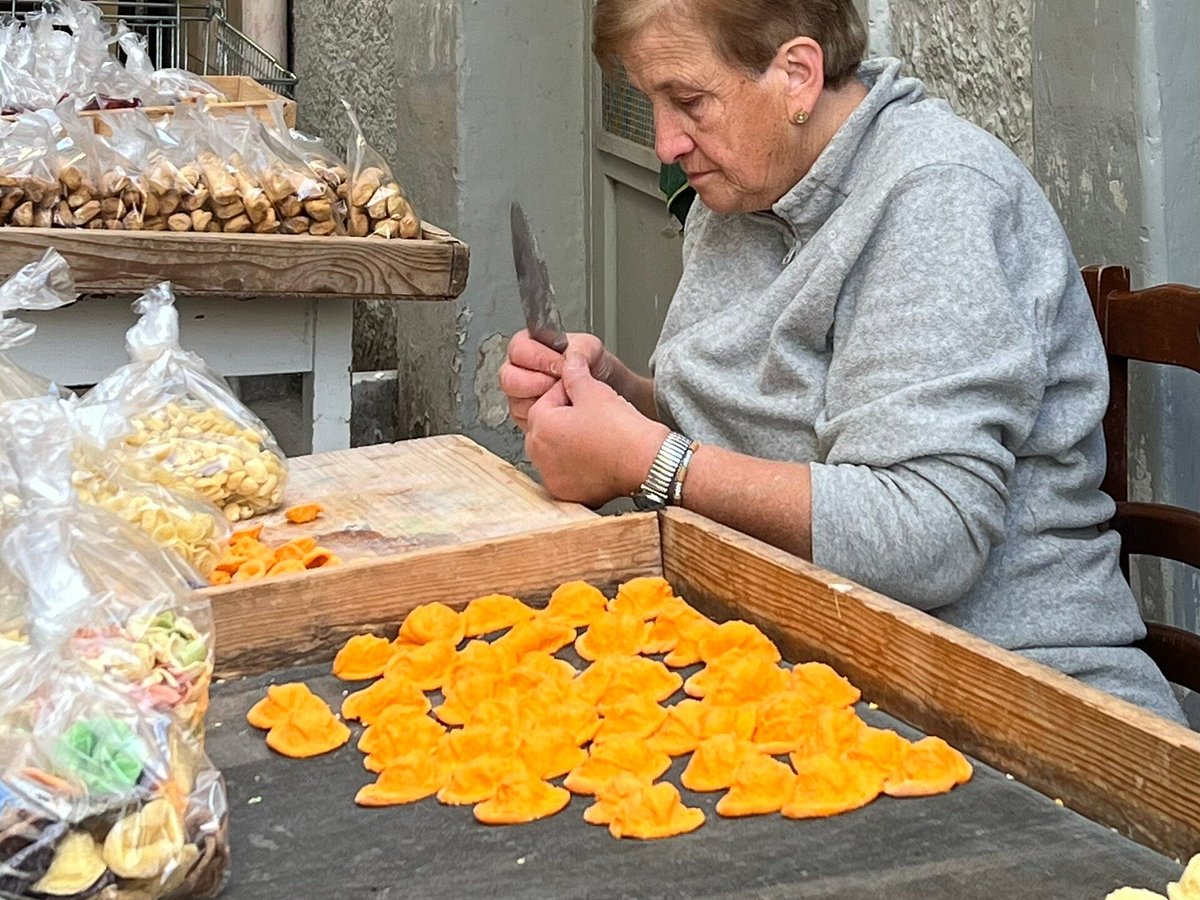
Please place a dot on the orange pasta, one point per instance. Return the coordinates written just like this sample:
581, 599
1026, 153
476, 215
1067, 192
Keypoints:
304, 513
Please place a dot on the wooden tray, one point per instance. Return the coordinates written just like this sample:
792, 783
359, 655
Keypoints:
244, 95
433, 267
1102, 757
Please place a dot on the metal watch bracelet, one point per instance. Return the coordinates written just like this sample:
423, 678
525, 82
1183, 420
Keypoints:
681, 473
656, 490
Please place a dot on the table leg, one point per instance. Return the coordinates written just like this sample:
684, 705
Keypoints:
327, 386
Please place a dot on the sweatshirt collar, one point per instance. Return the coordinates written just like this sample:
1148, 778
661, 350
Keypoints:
810, 203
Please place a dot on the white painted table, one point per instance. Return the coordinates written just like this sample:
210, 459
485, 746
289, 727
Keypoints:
81, 344
249, 304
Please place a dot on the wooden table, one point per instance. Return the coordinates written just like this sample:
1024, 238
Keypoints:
249, 304
1090, 774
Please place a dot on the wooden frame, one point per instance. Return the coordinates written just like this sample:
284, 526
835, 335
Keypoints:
433, 267
244, 95
1103, 757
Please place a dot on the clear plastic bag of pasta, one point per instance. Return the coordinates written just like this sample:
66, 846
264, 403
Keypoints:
184, 426
44, 284
377, 205
105, 789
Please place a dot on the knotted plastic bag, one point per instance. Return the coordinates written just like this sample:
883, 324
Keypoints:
104, 785
184, 425
44, 284
376, 203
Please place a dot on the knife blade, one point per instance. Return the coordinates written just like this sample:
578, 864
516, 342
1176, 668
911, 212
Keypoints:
537, 294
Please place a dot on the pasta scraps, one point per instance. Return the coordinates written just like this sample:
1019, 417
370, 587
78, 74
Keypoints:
308, 732
495, 612
930, 766
248, 558
514, 716
654, 812
432, 622
304, 513
615, 633
409, 778
645, 598
522, 798
363, 656
828, 785
280, 702
760, 785
575, 603
715, 761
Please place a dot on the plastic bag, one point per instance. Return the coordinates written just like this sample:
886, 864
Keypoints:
29, 166
104, 784
45, 284
103, 182
376, 204
184, 420
303, 190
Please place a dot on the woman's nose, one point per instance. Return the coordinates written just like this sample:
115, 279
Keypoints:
671, 141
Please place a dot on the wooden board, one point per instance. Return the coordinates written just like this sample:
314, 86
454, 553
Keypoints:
248, 265
1111, 760
260, 625
242, 95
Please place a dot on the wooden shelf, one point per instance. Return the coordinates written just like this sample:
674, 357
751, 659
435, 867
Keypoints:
249, 265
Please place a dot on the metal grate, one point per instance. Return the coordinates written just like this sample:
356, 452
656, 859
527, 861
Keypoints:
187, 34
625, 111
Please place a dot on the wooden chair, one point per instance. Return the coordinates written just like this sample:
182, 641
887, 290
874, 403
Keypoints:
1157, 325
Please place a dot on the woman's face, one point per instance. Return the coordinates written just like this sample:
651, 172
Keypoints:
728, 129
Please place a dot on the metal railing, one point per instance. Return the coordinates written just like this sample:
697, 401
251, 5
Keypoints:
187, 34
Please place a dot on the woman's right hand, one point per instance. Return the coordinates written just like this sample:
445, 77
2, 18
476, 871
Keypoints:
532, 369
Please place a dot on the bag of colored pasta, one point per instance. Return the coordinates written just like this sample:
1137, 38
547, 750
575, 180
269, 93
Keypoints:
183, 423
105, 790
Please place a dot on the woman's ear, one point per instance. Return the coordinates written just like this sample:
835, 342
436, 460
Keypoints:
803, 62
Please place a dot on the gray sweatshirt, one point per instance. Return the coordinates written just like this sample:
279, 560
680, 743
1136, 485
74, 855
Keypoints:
910, 320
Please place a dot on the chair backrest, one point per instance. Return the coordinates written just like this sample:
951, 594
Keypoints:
1156, 325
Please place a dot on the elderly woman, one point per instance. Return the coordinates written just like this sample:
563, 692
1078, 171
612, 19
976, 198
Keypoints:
881, 355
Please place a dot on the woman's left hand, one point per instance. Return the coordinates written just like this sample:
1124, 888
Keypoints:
589, 444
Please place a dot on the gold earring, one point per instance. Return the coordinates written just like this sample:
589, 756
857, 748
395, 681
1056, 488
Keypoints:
800, 118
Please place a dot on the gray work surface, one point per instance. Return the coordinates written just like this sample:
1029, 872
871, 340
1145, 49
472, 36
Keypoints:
297, 833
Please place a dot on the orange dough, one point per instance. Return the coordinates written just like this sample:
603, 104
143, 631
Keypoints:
740, 636
720, 718
504, 711
363, 656
781, 722
522, 798
390, 693
822, 686
634, 715
880, 749
760, 785
610, 795
397, 734
540, 672
575, 603
476, 658
828, 785
693, 628
930, 766
425, 665
670, 626
307, 732
712, 766
737, 678
614, 633
550, 752
304, 513
613, 676
608, 758
535, 636
296, 549
645, 598
467, 694
409, 778
282, 700
494, 612
476, 780
285, 567
474, 741
432, 622
829, 731
654, 812
679, 732
578, 717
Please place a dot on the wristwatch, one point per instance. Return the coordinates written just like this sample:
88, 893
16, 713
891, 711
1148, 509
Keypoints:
656, 491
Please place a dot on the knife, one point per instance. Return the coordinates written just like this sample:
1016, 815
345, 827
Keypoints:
537, 295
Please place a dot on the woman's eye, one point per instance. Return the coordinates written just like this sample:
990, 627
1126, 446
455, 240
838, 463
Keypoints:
688, 102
